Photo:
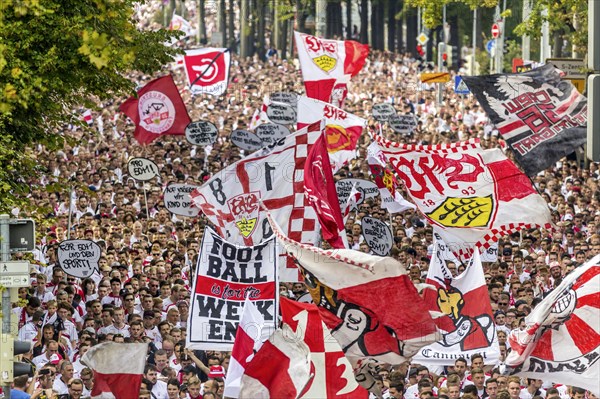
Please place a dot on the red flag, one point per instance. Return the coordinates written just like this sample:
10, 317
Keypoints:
319, 189
111, 373
207, 70
326, 63
280, 369
334, 377
157, 110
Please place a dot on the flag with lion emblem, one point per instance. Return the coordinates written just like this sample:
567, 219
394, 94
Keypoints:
471, 195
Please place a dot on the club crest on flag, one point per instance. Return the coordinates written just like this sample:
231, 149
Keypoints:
337, 138
157, 112
245, 211
322, 52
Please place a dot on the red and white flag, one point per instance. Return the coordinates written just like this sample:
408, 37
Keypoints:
280, 369
343, 129
207, 70
275, 175
157, 110
348, 286
87, 117
180, 23
327, 63
251, 333
319, 188
260, 115
471, 195
334, 377
118, 369
466, 321
352, 202
561, 342
391, 199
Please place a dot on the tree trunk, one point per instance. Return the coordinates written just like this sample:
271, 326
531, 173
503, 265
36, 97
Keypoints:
411, 32
300, 17
201, 23
377, 25
222, 23
400, 30
335, 28
392, 26
283, 37
557, 44
245, 28
364, 21
348, 19
455, 41
260, 33
231, 26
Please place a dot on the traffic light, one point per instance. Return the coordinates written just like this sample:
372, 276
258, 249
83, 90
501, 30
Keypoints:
9, 368
455, 57
505, 45
445, 60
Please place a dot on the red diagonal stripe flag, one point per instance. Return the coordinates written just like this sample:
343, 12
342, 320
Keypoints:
157, 110
113, 377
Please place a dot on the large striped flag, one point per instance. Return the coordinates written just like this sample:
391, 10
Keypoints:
118, 369
561, 342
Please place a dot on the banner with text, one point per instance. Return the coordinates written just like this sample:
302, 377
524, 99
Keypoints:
225, 275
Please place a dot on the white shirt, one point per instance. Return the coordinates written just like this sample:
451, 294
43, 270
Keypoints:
28, 332
160, 390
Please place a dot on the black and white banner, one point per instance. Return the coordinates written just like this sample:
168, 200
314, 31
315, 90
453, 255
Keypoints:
225, 275
541, 117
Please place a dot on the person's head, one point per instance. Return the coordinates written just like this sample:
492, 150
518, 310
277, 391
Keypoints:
478, 377
514, 387
396, 390
491, 387
173, 388
425, 389
577, 393
477, 361
75, 388
87, 377
66, 370
552, 393
46, 377
193, 385
161, 359
151, 373
460, 366
453, 390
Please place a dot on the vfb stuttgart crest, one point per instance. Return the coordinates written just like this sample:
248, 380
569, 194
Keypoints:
244, 209
324, 53
156, 111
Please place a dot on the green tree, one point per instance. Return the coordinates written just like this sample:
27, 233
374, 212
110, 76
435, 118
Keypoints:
57, 55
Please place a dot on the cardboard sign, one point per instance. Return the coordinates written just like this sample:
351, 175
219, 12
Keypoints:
78, 258
366, 188
403, 124
142, 169
286, 98
377, 235
281, 113
383, 112
225, 275
246, 140
201, 133
270, 133
177, 199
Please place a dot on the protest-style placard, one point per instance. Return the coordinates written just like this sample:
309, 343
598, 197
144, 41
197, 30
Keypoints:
403, 124
282, 113
225, 275
382, 112
201, 133
178, 201
377, 235
285, 97
142, 169
78, 258
366, 188
490, 254
246, 140
270, 133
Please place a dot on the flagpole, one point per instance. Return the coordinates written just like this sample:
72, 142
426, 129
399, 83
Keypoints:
208, 66
70, 213
146, 201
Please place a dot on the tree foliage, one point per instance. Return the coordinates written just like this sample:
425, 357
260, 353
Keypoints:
433, 10
58, 55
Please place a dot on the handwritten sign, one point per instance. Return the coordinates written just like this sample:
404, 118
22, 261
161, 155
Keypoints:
270, 133
177, 199
201, 133
383, 112
403, 124
281, 113
78, 258
142, 169
225, 275
366, 188
286, 98
246, 140
490, 254
377, 235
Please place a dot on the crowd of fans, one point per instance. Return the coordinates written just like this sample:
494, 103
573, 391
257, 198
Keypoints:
142, 290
